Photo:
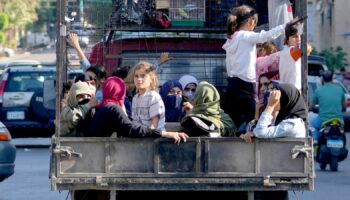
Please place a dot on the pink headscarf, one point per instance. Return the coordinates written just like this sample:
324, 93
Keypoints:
113, 92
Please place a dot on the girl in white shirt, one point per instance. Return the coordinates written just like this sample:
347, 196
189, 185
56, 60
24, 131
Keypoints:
147, 105
240, 50
290, 57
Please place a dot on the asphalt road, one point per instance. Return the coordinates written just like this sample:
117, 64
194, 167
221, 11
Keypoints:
31, 179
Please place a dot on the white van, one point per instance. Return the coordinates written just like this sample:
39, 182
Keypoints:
37, 39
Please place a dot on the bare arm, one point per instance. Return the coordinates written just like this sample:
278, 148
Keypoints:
164, 57
154, 122
74, 42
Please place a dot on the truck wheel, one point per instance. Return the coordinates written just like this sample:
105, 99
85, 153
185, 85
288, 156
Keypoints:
334, 163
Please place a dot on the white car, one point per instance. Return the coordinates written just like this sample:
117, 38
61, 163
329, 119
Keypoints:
8, 52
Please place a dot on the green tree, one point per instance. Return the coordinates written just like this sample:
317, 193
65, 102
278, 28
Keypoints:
20, 12
335, 58
2, 38
4, 21
46, 15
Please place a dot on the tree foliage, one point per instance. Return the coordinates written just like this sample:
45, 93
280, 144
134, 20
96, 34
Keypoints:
335, 58
2, 38
46, 15
4, 21
20, 12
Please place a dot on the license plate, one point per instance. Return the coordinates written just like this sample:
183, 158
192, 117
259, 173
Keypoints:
335, 143
12, 115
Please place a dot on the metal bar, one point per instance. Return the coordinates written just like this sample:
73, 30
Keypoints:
198, 157
301, 10
61, 57
108, 158
60, 75
184, 185
250, 195
113, 195
257, 157
173, 55
156, 158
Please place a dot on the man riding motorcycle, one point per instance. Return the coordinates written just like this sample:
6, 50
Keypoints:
331, 102
331, 141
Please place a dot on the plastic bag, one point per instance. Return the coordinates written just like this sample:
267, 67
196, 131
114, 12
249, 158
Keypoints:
280, 12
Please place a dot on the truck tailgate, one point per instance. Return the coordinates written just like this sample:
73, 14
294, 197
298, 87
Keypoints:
224, 164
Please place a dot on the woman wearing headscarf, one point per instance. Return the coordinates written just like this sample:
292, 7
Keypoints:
189, 84
171, 93
77, 112
110, 116
286, 103
207, 109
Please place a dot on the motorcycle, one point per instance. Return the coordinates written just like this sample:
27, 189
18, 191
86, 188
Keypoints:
331, 146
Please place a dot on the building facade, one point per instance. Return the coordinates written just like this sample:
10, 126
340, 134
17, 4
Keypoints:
329, 24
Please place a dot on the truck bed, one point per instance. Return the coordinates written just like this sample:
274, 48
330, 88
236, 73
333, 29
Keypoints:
200, 164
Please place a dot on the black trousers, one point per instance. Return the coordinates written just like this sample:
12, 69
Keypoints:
240, 100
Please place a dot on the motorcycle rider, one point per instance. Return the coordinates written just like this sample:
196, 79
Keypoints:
330, 98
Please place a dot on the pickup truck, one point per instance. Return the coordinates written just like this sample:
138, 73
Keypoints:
202, 164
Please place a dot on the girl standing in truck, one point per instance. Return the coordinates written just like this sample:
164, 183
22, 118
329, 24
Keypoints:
241, 54
147, 105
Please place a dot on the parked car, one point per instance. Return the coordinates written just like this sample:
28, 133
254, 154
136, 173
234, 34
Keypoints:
316, 65
21, 100
7, 52
23, 63
7, 153
20, 63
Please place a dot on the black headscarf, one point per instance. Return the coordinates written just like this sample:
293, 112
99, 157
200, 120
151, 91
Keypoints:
292, 103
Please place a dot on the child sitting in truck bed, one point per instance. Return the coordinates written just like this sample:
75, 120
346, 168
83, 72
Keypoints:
110, 117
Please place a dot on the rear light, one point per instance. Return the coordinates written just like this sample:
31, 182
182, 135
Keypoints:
4, 137
2, 86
